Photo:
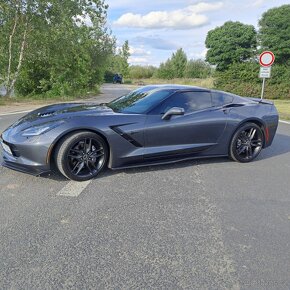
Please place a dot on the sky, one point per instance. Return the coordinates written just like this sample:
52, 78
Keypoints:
156, 29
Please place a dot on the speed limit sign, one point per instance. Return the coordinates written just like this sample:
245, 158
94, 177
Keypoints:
266, 60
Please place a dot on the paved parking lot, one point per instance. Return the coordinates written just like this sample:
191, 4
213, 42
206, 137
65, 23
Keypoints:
211, 224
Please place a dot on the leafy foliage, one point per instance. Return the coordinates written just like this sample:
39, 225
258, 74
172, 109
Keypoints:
230, 43
165, 70
141, 72
274, 33
179, 62
198, 69
66, 49
178, 67
119, 63
242, 79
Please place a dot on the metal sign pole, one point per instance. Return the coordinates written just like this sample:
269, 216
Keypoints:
263, 88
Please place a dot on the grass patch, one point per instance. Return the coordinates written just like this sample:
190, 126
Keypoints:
205, 83
283, 107
44, 99
2, 103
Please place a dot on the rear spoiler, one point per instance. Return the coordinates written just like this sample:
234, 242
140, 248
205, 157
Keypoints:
261, 101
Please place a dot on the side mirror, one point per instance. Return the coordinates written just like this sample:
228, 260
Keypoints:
175, 111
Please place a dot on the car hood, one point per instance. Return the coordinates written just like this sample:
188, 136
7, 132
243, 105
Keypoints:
59, 112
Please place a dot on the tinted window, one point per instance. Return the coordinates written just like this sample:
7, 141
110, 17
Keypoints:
219, 99
139, 101
189, 101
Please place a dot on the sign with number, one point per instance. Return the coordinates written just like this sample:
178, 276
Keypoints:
265, 72
267, 58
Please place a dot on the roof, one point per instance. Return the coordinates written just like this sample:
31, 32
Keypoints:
174, 87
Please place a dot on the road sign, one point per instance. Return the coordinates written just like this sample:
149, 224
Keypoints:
265, 72
267, 58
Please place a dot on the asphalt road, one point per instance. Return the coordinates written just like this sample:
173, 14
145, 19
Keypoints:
211, 224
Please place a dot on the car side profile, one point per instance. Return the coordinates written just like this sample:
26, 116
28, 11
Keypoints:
151, 125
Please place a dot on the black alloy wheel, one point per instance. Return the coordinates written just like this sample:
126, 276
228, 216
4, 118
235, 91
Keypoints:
81, 156
247, 143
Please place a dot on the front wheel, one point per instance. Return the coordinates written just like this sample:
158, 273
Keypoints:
246, 143
81, 156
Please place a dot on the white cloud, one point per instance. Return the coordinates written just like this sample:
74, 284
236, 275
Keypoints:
156, 42
186, 18
258, 3
83, 20
138, 60
139, 51
199, 55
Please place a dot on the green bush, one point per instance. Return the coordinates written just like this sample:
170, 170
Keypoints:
197, 69
242, 79
141, 72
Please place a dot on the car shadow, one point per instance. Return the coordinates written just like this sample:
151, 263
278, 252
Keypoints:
280, 146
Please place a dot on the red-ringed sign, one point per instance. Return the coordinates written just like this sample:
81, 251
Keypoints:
267, 58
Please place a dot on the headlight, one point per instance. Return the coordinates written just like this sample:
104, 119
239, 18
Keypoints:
38, 130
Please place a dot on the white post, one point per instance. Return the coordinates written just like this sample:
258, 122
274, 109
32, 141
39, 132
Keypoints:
263, 89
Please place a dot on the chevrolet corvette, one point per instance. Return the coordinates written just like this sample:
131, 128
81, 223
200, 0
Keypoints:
148, 126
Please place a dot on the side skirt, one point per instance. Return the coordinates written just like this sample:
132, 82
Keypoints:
155, 163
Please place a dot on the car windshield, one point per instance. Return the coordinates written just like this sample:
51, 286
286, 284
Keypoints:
139, 101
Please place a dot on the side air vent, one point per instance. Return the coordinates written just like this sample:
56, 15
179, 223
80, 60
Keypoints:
126, 136
46, 114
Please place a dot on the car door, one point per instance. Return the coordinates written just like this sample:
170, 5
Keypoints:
197, 130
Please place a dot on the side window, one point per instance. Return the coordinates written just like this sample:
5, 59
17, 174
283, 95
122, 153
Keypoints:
189, 101
220, 99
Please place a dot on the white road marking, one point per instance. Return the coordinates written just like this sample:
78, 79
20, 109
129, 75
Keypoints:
284, 122
73, 188
16, 113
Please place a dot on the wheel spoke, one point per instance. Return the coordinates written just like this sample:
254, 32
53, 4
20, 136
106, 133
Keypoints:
241, 149
89, 148
80, 168
85, 146
94, 165
256, 143
74, 156
76, 151
76, 166
250, 152
252, 134
247, 152
89, 167
95, 155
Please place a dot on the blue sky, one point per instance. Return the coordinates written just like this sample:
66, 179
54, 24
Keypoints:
155, 29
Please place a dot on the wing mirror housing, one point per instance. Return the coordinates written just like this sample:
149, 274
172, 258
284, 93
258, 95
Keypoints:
175, 111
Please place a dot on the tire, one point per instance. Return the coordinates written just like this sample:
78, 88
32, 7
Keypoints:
247, 143
81, 156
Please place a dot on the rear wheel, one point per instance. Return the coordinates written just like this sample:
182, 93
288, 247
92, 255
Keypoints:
246, 143
81, 156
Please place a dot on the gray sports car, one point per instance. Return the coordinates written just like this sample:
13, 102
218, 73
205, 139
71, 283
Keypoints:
149, 126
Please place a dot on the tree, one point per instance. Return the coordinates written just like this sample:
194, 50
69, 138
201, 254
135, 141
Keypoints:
142, 72
197, 69
119, 62
165, 70
174, 67
233, 42
274, 33
53, 46
125, 54
179, 61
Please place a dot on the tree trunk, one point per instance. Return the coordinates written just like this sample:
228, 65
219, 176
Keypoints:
11, 84
10, 53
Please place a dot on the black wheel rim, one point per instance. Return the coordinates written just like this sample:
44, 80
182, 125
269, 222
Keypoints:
249, 143
86, 157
